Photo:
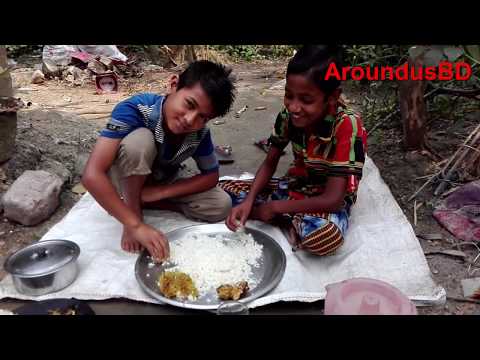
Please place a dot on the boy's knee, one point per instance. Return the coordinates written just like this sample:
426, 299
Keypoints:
223, 206
211, 206
137, 152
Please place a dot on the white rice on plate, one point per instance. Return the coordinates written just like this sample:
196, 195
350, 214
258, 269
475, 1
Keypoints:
6, 312
217, 260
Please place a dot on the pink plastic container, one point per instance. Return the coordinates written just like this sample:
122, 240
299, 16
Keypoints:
363, 296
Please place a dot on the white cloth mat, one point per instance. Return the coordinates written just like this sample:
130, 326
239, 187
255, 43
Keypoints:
380, 244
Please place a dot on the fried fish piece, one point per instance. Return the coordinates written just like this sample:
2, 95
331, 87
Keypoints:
60, 312
176, 284
232, 292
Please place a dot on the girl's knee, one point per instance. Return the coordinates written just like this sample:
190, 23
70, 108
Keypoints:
323, 241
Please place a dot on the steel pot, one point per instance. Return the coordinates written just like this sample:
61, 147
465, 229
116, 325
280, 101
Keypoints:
44, 267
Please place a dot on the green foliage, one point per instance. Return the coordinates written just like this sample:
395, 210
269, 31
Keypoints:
375, 55
380, 98
378, 101
394, 55
434, 54
354, 54
14, 51
255, 52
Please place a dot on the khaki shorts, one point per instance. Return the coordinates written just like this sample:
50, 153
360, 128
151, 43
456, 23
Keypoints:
136, 156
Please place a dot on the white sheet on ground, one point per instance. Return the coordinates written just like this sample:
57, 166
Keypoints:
380, 244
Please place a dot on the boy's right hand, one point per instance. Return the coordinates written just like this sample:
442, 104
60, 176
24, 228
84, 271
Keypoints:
152, 239
238, 215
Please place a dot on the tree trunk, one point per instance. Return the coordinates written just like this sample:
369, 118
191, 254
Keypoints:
8, 120
470, 168
171, 55
181, 54
413, 109
159, 55
190, 54
5, 78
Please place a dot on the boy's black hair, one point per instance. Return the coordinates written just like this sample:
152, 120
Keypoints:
214, 79
313, 61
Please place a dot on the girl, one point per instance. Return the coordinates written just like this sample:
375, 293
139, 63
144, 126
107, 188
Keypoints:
329, 145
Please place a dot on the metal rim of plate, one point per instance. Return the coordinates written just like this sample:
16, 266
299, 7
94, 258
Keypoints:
272, 275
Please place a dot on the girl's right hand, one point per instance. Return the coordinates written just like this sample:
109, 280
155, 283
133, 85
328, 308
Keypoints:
238, 215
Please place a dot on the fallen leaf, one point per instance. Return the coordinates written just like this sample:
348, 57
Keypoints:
3, 176
239, 112
455, 253
471, 288
79, 189
435, 236
448, 192
465, 309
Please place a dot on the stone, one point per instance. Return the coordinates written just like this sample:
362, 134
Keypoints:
38, 77
25, 157
106, 61
78, 74
69, 78
153, 67
79, 189
80, 163
50, 69
33, 197
96, 67
471, 288
8, 133
279, 85
57, 168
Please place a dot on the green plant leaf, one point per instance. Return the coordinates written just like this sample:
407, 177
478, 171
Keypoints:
4, 71
473, 51
433, 57
416, 51
453, 53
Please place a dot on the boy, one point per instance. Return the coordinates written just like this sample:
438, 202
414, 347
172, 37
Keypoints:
146, 140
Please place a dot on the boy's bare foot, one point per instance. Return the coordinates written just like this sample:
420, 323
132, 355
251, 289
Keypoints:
129, 244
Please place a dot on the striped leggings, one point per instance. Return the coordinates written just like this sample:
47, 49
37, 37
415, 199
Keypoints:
319, 233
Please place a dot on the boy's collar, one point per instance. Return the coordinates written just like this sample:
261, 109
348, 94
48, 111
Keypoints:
159, 128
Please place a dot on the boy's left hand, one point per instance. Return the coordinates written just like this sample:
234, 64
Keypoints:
264, 212
152, 193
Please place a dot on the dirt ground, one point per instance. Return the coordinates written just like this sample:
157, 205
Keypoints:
62, 121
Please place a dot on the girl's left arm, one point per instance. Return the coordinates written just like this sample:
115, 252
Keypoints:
331, 200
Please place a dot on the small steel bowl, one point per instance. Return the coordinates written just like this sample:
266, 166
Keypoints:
44, 267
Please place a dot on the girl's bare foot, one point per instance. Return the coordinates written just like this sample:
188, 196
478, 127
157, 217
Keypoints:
294, 239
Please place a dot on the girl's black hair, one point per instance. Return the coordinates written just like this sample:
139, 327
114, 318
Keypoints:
313, 61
